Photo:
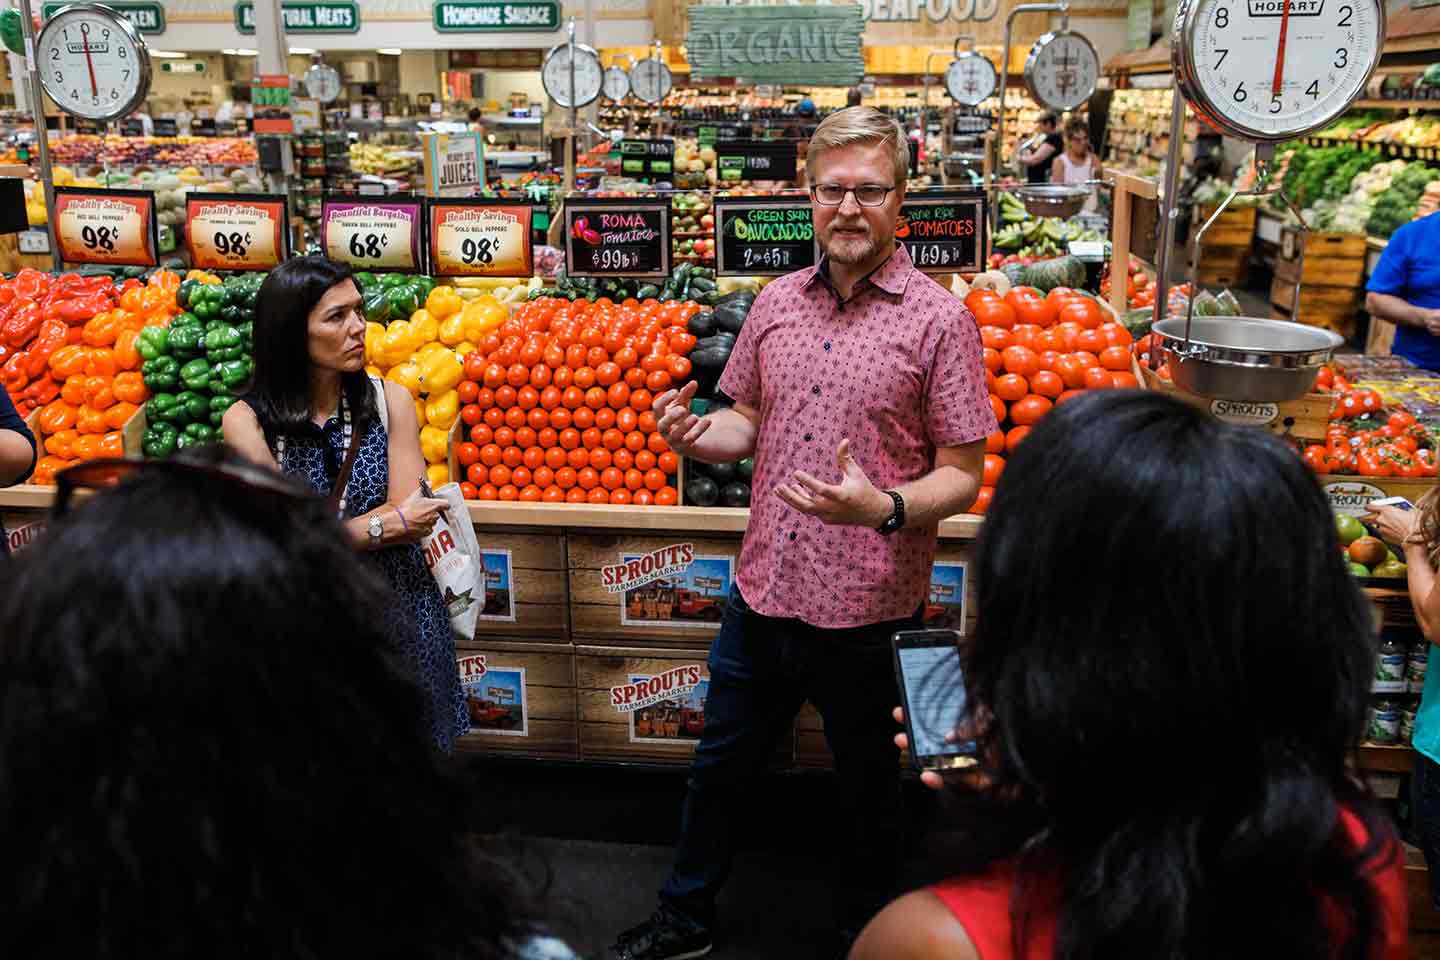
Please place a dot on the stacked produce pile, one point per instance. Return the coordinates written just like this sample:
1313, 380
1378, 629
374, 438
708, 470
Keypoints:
1369, 438
686, 282
180, 151
1346, 190
1366, 554
196, 366
380, 160
1040, 350
558, 402
1021, 235
692, 227
1400, 384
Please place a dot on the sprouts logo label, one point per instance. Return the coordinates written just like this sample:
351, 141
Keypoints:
1352, 496
1243, 413
471, 668
1276, 8
655, 565
25, 535
673, 684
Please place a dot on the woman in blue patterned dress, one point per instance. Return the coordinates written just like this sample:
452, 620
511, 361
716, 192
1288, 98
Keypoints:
311, 400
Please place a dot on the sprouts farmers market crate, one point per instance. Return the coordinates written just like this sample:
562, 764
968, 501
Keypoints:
1305, 418
521, 700
1351, 494
524, 586
668, 590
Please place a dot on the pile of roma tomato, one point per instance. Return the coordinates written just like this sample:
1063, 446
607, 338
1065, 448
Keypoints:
556, 403
1367, 439
1040, 351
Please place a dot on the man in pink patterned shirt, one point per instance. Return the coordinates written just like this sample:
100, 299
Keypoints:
860, 390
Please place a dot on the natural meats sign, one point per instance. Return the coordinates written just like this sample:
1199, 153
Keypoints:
304, 17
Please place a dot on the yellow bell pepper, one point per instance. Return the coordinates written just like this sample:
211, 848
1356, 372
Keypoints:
425, 327
434, 444
375, 372
440, 371
452, 329
396, 345
373, 333
438, 474
441, 410
420, 412
429, 350
463, 348
407, 374
442, 302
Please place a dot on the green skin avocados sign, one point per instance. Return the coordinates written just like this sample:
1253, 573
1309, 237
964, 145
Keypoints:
341, 16
485, 16
147, 17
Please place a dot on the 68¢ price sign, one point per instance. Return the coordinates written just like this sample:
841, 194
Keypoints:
373, 233
115, 227
236, 231
480, 238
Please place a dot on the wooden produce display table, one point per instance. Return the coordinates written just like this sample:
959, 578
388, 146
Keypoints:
593, 641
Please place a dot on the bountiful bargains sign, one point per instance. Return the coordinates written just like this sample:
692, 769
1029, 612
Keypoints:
790, 45
485, 16
113, 227
147, 17
373, 234
302, 17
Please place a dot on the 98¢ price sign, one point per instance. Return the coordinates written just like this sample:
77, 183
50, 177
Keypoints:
374, 234
236, 231
480, 238
115, 227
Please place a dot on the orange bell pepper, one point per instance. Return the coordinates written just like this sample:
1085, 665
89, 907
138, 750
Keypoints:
130, 387
165, 280
101, 329
112, 445
133, 300
46, 469
127, 357
62, 444
90, 420
68, 361
118, 413
100, 362
73, 390
98, 393
57, 415
87, 446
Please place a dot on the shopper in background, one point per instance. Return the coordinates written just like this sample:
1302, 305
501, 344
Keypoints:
853, 96
1405, 289
17, 453
859, 389
1147, 787
1417, 532
315, 414
1036, 159
217, 753
1077, 163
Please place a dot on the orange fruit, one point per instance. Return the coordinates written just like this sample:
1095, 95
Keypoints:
555, 458
478, 474
668, 462
645, 422
598, 495
577, 458
590, 438
515, 418
504, 437
560, 418
666, 496
490, 454
1013, 438
575, 495
547, 437
563, 377
550, 397
534, 458
1098, 378
995, 443
640, 400
642, 498
540, 376
1123, 380
1115, 358
520, 476
527, 397
635, 378
658, 382
645, 461
530, 493
595, 398
537, 419
588, 478
517, 375
612, 478
657, 445
505, 397
998, 407
488, 492
485, 399
584, 418
1029, 409
1011, 387
654, 479
552, 494
599, 458
585, 378
1020, 360
512, 457
543, 477
982, 499
1047, 383
525, 437
635, 441
481, 434
494, 375
623, 458
634, 479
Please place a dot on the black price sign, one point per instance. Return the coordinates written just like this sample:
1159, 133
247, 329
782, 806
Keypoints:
617, 238
756, 160
648, 160
944, 231
763, 236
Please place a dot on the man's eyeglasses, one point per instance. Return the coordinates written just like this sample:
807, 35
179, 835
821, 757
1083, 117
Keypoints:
111, 472
832, 194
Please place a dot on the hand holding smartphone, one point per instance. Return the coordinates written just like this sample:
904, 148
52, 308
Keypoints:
932, 694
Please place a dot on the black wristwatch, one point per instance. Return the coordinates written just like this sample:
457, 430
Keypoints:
896, 519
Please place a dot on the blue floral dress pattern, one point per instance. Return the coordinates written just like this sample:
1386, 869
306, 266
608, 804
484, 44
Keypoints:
415, 616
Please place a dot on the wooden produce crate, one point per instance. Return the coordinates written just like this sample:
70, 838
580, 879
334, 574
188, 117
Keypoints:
1334, 308
1306, 418
525, 592
667, 591
521, 698
23, 527
1330, 259
645, 703
1235, 228
132, 436
1223, 267
1350, 494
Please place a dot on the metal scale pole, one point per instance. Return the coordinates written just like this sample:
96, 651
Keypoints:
42, 140
1062, 8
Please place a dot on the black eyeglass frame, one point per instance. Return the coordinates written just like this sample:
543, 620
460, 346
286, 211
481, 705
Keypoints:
852, 191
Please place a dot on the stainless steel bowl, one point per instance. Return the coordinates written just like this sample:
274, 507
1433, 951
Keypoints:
1053, 199
1245, 358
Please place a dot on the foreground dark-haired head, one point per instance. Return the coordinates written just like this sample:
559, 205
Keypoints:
296, 331
1175, 664
208, 748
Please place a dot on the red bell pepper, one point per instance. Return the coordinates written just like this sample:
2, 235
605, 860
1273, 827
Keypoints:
23, 325
50, 338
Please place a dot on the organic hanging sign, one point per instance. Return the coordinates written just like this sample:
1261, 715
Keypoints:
112, 227
944, 231
817, 45
768, 236
618, 238
236, 231
373, 233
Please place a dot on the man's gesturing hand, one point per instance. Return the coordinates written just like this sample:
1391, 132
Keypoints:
676, 423
854, 500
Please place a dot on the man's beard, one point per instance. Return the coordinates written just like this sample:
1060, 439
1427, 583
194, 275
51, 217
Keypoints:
850, 249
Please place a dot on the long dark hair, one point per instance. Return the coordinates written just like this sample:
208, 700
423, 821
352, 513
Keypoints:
1169, 669
282, 351
219, 752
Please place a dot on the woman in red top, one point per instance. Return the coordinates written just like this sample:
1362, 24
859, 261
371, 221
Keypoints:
1170, 668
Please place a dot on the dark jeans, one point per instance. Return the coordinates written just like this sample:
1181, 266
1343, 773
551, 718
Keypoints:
762, 670
1425, 812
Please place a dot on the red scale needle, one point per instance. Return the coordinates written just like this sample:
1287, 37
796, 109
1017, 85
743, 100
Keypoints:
1280, 52
90, 64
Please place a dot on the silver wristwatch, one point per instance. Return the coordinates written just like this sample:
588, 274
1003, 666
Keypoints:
377, 528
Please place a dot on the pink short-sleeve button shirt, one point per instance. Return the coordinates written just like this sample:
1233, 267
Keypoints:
898, 370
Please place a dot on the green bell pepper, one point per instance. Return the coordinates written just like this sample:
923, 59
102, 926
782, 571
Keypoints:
194, 407
195, 375
205, 309
161, 374
221, 337
365, 279
218, 406
164, 407
405, 300
183, 294
230, 374
186, 319
391, 280
197, 434
425, 285
185, 343
160, 440
153, 342
376, 305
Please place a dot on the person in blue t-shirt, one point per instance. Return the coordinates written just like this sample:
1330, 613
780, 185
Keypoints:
17, 453
1405, 289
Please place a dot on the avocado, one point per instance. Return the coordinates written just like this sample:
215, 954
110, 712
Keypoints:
701, 491
745, 469
735, 495
722, 472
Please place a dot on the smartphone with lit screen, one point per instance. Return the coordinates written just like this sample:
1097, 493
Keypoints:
932, 693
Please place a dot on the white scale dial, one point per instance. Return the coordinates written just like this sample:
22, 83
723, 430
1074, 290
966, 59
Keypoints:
555, 73
1062, 70
1275, 69
617, 84
322, 82
970, 79
650, 80
93, 63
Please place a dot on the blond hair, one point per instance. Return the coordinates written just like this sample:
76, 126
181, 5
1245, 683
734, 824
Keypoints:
861, 125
